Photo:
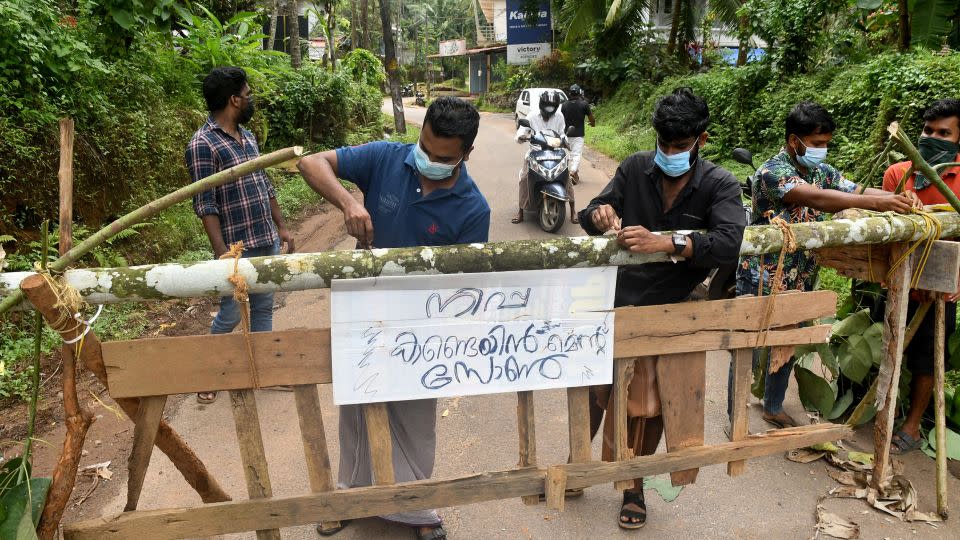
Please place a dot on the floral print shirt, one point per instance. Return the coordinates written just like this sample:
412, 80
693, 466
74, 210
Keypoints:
773, 181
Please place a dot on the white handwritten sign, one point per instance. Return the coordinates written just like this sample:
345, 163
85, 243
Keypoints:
416, 337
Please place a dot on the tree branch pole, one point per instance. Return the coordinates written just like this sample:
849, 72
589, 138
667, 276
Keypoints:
920, 165
153, 208
78, 419
302, 271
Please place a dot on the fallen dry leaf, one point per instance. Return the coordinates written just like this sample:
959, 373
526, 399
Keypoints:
805, 455
833, 525
446, 413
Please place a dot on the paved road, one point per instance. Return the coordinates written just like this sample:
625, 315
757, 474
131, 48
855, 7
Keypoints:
775, 498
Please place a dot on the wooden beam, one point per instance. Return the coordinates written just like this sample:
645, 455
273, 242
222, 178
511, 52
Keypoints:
578, 422
738, 314
940, 412
38, 291
739, 426
233, 517
144, 436
288, 357
622, 375
252, 455
682, 381
941, 273
381, 442
527, 434
166, 366
888, 380
310, 417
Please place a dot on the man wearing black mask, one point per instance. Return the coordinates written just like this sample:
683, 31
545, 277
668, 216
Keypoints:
669, 189
939, 143
245, 210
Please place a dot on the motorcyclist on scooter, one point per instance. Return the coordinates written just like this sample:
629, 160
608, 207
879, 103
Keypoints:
548, 117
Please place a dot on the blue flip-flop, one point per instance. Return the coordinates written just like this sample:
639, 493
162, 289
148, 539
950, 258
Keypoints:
902, 443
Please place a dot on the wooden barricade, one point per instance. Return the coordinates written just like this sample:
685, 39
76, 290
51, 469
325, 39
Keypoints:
679, 334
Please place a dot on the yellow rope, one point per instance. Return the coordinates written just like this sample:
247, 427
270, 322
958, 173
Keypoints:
241, 293
930, 229
69, 302
789, 244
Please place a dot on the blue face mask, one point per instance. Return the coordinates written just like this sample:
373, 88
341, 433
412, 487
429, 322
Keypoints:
812, 157
431, 170
674, 165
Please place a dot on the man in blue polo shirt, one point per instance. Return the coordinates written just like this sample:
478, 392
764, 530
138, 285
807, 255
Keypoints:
414, 195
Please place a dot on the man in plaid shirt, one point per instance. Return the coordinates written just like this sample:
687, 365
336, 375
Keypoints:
245, 210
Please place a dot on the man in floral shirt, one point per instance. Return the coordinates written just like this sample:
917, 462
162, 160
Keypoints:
797, 186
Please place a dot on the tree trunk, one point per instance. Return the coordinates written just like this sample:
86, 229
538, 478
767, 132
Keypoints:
293, 24
365, 23
903, 6
674, 27
331, 33
303, 271
390, 59
274, 15
743, 50
354, 21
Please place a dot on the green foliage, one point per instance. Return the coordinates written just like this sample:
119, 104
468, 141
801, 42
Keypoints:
364, 67
120, 21
931, 21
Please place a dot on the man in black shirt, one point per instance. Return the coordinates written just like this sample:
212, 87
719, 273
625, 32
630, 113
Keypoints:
669, 189
578, 109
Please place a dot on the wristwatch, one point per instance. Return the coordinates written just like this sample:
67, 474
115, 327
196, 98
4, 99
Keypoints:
679, 243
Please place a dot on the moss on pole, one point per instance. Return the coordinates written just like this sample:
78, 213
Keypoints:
316, 270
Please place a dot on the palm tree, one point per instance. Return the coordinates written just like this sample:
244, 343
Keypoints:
390, 60
293, 23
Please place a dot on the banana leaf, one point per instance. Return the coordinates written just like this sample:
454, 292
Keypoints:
931, 21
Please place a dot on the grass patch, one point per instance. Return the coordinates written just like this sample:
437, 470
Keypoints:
411, 136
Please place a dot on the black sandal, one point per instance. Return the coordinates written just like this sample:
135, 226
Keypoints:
630, 497
332, 530
436, 533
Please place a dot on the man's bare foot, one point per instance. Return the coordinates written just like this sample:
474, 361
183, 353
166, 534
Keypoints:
573, 216
518, 218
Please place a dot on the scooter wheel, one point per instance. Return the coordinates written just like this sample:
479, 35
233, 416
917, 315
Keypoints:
552, 214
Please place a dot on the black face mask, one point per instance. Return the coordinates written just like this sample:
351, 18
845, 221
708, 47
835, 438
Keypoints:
934, 151
247, 113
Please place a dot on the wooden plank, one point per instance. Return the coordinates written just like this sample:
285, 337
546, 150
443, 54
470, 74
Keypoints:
578, 422
739, 314
682, 381
626, 346
254, 459
555, 485
739, 425
381, 443
622, 375
188, 364
940, 412
234, 517
314, 438
527, 433
888, 384
941, 272
184, 365
146, 423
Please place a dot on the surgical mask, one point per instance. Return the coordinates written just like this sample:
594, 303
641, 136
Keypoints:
549, 110
675, 165
431, 170
812, 157
934, 151
247, 112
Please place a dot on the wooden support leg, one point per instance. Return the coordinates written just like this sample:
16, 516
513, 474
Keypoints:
381, 443
940, 414
144, 436
556, 485
742, 373
578, 418
528, 437
38, 291
622, 375
252, 455
682, 380
314, 441
894, 321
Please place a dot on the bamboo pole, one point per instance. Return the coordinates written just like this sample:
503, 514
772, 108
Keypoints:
303, 271
153, 208
78, 419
